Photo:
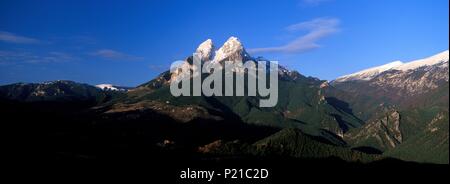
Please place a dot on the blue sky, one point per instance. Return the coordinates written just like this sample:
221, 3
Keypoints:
130, 42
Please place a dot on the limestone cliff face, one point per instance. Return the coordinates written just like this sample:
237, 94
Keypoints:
383, 132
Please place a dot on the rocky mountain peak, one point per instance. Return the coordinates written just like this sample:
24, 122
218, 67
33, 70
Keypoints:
206, 50
232, 50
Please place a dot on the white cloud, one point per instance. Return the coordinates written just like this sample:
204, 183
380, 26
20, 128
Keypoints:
13, 38
312, 2
158, 68
53, 57
316, 29
315, 24
8, 57
115, 55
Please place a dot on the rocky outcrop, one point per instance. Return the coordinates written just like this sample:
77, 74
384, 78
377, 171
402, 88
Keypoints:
383, 133
179, 113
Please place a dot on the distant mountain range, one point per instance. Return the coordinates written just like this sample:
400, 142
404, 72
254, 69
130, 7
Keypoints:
61, 90
404, 106
396, 110
440, 60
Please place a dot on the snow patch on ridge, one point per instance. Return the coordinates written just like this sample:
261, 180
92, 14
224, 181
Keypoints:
111, 87
370, 73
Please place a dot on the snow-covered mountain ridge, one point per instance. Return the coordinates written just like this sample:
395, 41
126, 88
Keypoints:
440, 59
